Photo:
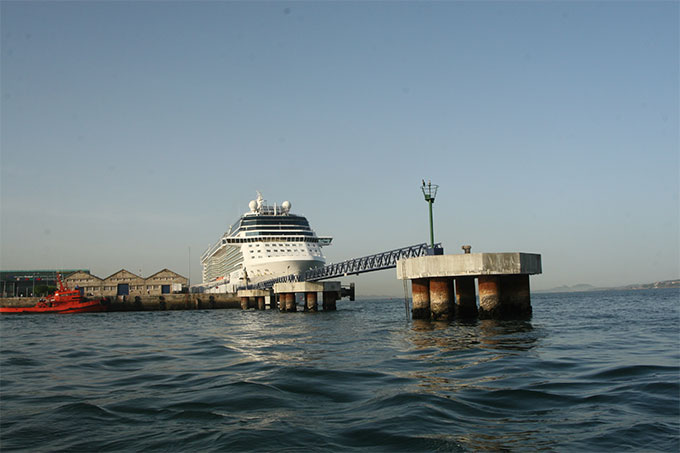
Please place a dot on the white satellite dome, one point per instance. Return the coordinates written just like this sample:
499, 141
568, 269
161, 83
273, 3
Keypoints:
252, 205
286, 206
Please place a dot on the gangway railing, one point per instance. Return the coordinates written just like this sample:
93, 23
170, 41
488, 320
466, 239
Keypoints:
355, 266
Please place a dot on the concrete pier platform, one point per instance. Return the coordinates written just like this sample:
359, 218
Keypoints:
443, 285
286, 292
257, 298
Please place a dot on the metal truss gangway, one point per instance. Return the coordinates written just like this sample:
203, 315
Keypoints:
355, 266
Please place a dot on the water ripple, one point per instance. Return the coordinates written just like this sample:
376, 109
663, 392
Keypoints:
360, 379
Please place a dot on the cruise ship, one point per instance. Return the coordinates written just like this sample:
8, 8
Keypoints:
265, 243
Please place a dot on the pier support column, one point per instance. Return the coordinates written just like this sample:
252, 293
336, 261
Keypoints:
244, 303
260, 303
441, 298
329, 299
515, 295
466, 302
489, 296
310, 301
420, 289
289, 300
280, 302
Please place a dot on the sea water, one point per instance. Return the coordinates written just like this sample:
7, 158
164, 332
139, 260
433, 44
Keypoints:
596, 371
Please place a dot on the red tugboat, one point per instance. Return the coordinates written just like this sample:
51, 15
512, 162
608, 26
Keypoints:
63, 300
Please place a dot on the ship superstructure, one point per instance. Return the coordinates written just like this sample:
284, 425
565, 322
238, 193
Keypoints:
266, 242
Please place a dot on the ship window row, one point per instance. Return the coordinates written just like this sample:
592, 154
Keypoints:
275, 224
282, 228
281, 245
261, 239
278, 233
276, 228
295, 249
288, 220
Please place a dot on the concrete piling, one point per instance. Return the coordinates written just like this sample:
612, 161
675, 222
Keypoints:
331, 293
310, 301
490, 296
420, 289
441, 298
252, 297
516, 294
289, 299
466, 301
329, 299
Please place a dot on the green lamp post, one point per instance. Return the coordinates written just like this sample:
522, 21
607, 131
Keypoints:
430, 191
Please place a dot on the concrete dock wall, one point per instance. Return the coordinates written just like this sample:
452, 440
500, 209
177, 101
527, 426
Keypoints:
150, 303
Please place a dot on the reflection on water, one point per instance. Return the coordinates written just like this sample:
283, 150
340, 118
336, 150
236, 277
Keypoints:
454, 360
446, 352
506, 441
458, 335
507, 335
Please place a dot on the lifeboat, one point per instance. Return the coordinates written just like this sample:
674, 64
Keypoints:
64, 300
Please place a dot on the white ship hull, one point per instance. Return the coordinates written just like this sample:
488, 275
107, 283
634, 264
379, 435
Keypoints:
274, 269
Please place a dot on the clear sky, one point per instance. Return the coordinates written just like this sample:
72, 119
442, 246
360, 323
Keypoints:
134, 133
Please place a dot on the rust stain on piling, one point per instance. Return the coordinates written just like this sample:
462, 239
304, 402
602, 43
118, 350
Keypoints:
441, 298
420, 288
489, 295
290, 301
310, 301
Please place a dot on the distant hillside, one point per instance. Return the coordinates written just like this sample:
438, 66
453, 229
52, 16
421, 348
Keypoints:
570, 289
663, 284
637, 286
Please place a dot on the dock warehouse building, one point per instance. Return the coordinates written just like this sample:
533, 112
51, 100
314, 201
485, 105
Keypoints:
25, 283
126, 283
121, 283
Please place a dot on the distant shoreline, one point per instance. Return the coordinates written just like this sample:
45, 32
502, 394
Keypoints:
634, 287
